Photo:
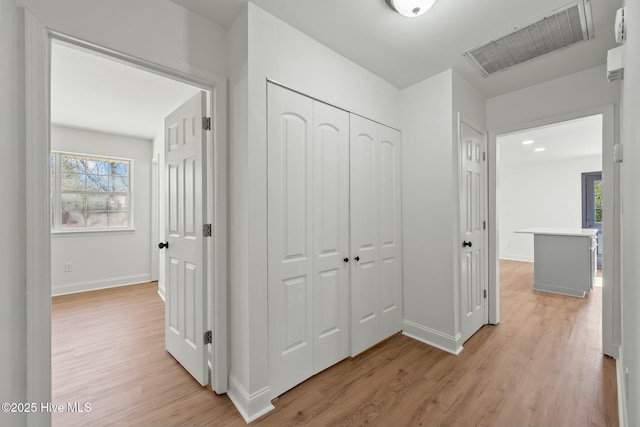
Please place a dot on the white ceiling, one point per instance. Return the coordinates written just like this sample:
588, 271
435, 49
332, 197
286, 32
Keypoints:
405, 51
570, 139
92, 92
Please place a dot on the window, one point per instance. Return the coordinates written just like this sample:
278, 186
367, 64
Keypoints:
90, 193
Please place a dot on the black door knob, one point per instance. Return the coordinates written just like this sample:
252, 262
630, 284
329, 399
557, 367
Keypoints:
357, 258
346, 260
162, 245
466, 244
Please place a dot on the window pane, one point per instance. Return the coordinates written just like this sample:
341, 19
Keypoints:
72, 164
119, 184
119, 168
72, 219
119, 203
118, 219
73, 182
97, 203
97, 220
72, 202
597, 202
97, 166
97, 183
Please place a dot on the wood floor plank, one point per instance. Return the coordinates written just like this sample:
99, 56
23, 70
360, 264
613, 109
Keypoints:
541, 366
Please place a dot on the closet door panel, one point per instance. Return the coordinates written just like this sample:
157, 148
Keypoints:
331, 235
365, 321
290, 244
390, 231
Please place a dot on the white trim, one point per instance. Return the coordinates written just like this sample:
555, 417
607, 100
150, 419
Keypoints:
611, 322
38, 227
512, 257
161, 294
251, 406
94, 285
623, 420
432, 337
39, 32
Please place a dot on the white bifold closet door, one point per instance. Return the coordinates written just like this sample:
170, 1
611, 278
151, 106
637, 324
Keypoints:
376, 271
308, 237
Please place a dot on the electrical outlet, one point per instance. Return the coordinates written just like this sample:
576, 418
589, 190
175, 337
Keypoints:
68, 267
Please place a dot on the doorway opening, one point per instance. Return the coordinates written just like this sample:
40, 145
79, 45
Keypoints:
539, 175
39, 39
107, 201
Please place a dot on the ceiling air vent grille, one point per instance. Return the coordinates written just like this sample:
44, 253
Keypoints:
563, 28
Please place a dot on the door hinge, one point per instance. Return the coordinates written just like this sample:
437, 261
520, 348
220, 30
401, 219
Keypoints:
484, 156
206, 123
485, 293
484, 225
208, 337
206, 230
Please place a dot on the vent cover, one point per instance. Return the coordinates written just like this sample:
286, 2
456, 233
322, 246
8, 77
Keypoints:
563, 28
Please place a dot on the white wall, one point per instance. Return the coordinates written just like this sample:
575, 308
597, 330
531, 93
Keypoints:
278, 51
630, 354
102, 260
155, 30
427, 207
539, 194
429, 117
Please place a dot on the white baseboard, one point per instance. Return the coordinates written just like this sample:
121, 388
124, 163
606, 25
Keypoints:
515, 257
94, 285
161, 292
622, 390
432, 337
251, 406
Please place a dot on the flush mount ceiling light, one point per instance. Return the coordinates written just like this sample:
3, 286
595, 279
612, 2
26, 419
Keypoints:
410, 8
528, 142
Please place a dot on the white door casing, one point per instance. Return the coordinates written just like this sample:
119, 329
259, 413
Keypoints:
185, 278
290, 243
473, 251
331, 235
376, 273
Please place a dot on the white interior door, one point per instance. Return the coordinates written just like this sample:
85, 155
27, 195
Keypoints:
185, 284
473, 306
389, 230
290, 230
331, 235
365, 277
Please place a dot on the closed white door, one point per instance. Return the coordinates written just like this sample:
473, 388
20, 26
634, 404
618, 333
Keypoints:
331, 235
290, 184
185, 320
473, 302
389, 230
376, 274
365, 292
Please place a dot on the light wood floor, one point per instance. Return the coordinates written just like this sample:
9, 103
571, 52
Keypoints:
541, 367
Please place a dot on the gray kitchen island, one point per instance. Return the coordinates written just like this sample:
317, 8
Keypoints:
564, 259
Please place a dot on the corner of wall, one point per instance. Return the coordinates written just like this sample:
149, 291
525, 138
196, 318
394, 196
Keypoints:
622, 390
251, 406
450, 344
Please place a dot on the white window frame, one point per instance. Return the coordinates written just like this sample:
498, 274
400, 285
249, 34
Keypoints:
56, 196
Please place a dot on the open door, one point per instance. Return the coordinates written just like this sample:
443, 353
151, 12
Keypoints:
184, 250
473, 259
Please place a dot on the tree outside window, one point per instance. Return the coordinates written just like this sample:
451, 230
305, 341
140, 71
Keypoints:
90, 192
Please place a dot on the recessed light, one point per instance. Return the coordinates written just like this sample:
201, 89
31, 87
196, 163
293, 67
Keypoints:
539, 149
527, 142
